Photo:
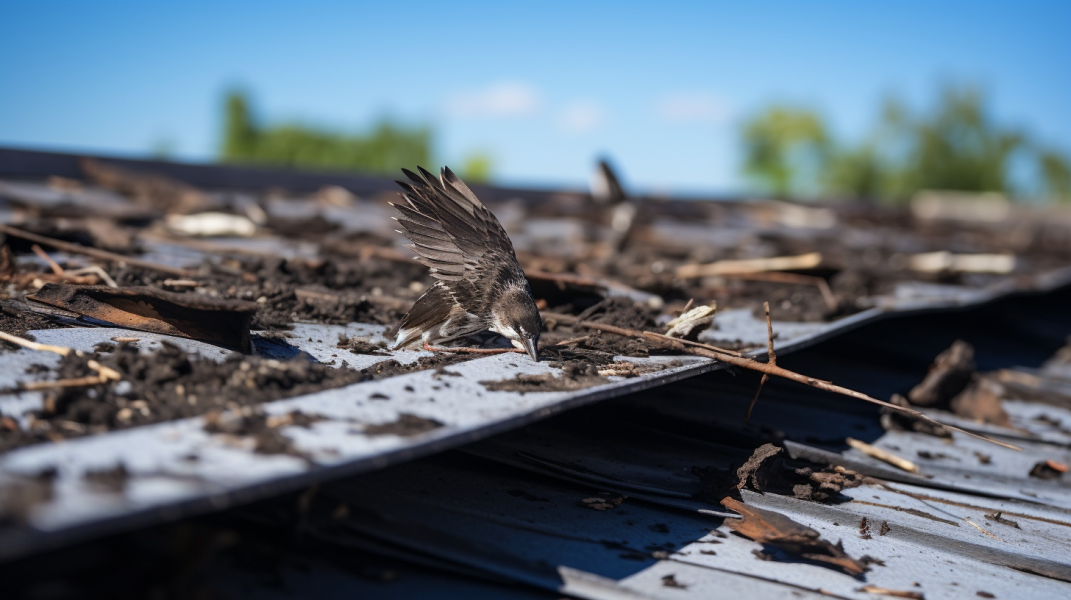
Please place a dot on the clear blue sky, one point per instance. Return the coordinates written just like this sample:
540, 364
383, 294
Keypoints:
544, 87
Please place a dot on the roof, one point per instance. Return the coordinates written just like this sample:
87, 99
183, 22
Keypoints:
485, 486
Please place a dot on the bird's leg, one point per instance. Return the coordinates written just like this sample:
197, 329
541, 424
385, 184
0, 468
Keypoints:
431, 348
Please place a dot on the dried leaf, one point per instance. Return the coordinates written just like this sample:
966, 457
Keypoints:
775, 529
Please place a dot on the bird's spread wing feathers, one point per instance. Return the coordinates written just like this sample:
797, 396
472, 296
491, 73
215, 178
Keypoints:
466, 249
453, 233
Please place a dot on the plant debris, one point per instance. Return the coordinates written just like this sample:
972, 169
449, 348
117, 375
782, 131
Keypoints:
774, 529
953, 384
165, 385
1048, 469
873, 589
362, 346
671, 581
112, 481
768, 470
405, 425
949, 375
575, 375
892, 420
998, 517
213, 320
864, 529
264, 430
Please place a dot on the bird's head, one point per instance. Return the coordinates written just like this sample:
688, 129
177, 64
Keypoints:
515, 316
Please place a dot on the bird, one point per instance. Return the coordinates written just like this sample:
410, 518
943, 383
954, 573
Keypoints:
479, 284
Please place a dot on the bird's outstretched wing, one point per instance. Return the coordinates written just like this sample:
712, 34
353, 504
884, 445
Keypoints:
454, 235
450, 228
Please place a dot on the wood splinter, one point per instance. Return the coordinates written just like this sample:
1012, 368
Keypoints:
882, 455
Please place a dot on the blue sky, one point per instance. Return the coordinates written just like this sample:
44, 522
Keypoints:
544, 87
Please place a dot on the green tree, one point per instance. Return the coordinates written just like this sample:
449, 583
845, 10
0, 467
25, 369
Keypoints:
240, 134
960, 147
384, 149
957, 145
1055, 175
784, 150
477, 168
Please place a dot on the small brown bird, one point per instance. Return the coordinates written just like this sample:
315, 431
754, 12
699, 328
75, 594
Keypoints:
480, 286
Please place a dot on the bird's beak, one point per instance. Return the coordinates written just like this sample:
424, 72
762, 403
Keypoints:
531, 346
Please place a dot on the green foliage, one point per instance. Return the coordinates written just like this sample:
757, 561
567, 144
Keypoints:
784, 148
384, 149
477, 168
1056, 174
956, 146
960, 148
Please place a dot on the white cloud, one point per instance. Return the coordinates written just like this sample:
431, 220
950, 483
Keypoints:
581, 116
501, 99
692, 108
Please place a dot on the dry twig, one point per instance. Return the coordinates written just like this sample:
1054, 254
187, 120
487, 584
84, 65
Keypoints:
7, 337
568, 342
75, 275
772, 359
574, 321
750, 265
796, 278
88, 380
707, 351
93, 252
975, 525
873, 589
95, 270
58, 270
882, 455
104, 374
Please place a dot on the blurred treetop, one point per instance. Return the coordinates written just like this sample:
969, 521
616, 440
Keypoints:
384, 149
788, 151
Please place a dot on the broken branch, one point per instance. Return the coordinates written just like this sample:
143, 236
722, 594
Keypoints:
770, 369
574, 321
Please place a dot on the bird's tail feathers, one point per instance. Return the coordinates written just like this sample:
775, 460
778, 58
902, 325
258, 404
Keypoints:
406, 337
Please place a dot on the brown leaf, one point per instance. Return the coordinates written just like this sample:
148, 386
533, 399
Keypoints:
775, 529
